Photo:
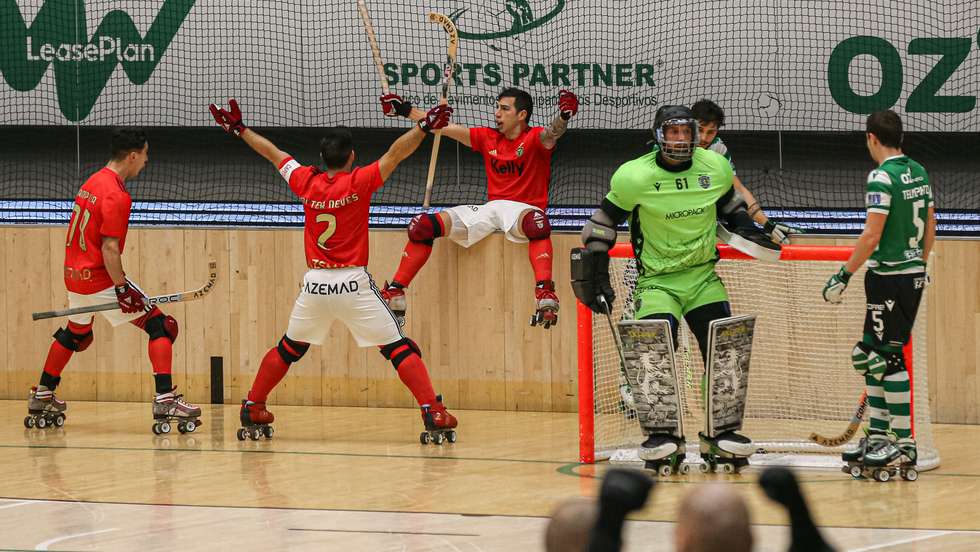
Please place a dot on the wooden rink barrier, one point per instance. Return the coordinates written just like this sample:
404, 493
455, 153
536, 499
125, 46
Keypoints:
468, 311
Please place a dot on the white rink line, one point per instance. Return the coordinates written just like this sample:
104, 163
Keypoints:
44, 545
898, 542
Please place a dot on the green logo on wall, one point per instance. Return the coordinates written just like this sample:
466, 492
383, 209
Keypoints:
515, 17
925, 97
82, 63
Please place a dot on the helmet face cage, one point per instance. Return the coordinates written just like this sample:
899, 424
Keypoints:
677, 150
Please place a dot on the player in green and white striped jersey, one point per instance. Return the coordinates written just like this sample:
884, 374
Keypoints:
898, 235
711, 117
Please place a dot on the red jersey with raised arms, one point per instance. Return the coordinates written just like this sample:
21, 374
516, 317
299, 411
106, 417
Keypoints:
101, 210
336, 210
518, 169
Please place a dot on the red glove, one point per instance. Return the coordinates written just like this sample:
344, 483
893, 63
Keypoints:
436, 118
393, 105
130, 299
230, 121
567, 104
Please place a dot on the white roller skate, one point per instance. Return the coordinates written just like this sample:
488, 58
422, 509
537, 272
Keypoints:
394, 296
440, 425
886, 458
727, 452
168, 408
546, 314
664, 454
255, 421
44, 409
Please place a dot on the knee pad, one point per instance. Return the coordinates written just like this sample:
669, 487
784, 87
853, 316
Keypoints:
398, 351
72, 341
536, 226
162, 325
291, 350
868, 361
424, 228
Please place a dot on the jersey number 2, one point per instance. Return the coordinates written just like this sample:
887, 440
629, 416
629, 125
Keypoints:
86, 215
331, 221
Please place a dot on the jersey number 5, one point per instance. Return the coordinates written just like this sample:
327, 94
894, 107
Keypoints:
86, 215
331, 222
919, 222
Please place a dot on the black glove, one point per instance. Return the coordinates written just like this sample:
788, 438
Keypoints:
780, 485
622, 492
590, 279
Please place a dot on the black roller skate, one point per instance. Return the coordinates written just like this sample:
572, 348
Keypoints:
439, 424
886, 459
664, 454
255, 421
169, 408
854, 456
44, 409
726, 453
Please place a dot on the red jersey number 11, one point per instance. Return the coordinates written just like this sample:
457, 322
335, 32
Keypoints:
86, 215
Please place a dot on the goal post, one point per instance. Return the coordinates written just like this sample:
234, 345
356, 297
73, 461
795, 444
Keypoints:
801, 381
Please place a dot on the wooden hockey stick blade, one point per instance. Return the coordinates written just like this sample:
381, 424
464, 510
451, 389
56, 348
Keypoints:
852, 427
181, 297
447, 79
373, 42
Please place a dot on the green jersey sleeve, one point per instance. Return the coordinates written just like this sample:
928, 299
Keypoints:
623, 188
878, 198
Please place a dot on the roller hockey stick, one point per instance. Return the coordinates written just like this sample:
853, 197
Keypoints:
373, 41
447, 78
190, 295
852, 427
625, 391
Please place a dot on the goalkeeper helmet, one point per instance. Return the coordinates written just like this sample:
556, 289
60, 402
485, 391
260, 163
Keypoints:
673, 115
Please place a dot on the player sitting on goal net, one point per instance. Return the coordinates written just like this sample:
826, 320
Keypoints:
337, 286
517, 159
673, 197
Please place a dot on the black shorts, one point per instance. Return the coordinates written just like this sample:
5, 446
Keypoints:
892, 304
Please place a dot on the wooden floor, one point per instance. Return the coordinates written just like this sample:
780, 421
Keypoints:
357, 479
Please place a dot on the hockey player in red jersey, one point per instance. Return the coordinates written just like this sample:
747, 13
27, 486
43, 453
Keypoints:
337, 285
517, 160
94, 275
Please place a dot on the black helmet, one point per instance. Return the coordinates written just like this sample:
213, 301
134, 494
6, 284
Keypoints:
670, 115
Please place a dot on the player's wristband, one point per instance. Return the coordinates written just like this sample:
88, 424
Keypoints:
843, 275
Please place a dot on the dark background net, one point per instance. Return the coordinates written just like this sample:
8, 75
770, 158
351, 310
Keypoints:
297, 67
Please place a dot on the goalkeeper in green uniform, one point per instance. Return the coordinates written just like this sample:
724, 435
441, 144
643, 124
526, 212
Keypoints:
898, 235
673, 197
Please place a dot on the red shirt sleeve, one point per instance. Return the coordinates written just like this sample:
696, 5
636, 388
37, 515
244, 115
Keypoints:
368, 178
115, 215
478, 139
298, 176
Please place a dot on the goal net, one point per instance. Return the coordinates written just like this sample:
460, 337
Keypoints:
801, 378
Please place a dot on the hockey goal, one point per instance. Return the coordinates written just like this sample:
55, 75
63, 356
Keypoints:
800, 381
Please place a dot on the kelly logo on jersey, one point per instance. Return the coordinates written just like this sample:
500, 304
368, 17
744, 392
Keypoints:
507, 167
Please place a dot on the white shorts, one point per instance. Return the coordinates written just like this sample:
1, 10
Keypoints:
472, 223
108, 295
348, 294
